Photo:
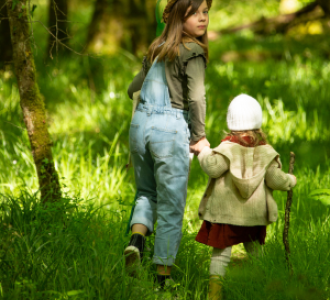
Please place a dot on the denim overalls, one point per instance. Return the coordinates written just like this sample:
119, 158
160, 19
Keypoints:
159, 145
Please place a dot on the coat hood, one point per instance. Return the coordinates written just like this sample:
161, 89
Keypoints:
248, 165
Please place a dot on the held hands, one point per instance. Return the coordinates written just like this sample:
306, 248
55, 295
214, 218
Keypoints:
197, 147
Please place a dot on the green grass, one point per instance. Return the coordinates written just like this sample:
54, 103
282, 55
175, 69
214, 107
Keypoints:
73, 250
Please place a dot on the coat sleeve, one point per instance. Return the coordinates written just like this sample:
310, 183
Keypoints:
136, 84
193, 64
213, 164
195, 73
276, 179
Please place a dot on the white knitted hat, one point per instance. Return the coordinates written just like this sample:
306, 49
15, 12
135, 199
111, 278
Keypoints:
244, 113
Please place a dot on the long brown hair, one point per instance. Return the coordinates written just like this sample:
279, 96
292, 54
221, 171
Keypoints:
256, 136
173, 33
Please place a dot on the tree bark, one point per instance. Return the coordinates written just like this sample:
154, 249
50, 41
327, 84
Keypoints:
282, 23
31, 102
57, 23
5, 42
116, 24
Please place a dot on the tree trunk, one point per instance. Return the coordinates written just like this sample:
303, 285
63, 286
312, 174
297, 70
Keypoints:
5, 42
57, 23
325, 4
31, 102
142, 24
104, 33
116, 24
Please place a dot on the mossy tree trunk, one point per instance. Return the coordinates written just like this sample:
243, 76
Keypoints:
5, 43
58, 25
116, 24
31, 102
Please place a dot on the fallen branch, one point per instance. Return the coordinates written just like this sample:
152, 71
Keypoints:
281, 23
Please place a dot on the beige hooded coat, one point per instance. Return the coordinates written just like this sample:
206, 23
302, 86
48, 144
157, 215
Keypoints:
241, 184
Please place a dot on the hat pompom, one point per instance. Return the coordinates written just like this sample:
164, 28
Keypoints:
244, 113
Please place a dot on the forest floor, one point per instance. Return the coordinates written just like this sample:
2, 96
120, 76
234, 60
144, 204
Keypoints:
73, 249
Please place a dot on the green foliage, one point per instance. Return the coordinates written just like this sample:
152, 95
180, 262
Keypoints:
15, 2
73, 249
228, 13
33, 9
323, 195
160, 6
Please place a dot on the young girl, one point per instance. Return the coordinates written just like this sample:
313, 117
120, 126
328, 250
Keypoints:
172, 91
238, 202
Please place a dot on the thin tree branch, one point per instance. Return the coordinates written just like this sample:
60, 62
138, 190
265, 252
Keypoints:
281, 20
287, 215
22, 128
59, 41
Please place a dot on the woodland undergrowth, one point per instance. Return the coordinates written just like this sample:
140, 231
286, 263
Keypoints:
73, 249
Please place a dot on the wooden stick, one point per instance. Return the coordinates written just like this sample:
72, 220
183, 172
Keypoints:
287, 214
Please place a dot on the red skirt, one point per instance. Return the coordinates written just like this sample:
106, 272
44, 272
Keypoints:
224, 235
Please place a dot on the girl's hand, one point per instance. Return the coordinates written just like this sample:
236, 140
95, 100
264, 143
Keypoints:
197, 147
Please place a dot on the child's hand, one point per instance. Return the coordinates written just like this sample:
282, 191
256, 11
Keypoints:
295, 180
197, 147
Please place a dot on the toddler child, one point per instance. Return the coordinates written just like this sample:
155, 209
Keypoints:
238, 202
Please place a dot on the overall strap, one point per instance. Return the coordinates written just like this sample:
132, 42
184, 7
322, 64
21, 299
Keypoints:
155, 90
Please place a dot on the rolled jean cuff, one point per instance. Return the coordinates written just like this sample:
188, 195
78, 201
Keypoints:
144, 222
164, 261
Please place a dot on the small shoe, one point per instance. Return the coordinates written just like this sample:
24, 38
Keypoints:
215, 288
133, 253
164, 282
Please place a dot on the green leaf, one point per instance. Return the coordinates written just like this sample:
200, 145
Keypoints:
74, 292
15, 2
325, 200
322, 195
160, 6
320, 192
33, 9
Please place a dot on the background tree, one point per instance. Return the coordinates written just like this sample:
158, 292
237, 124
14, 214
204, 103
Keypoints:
325, 4
58, 25
31, 102
115, 24
5, 48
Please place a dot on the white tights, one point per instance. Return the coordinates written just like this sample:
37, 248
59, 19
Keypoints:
221, 257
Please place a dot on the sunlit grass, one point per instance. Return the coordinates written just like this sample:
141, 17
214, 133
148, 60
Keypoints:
88, 113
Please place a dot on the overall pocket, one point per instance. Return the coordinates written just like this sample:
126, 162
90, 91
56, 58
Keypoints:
162, 142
